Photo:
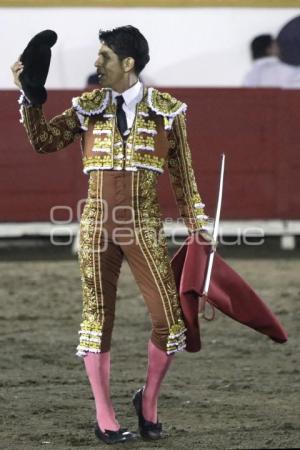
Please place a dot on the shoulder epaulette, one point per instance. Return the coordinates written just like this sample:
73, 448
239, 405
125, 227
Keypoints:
91, 103
164, 104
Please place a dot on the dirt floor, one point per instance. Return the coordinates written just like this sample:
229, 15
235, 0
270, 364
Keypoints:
240, 392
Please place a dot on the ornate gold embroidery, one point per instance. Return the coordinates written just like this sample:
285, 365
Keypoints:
44, 136
103, 125
97, 162
151, 238
177, 338
90, 268
50, 136
140, 140
102, 144
183, 178
143, 142
142, 122
103, 130
93, 102
56, 131
143, 107
90, 338
147, 161
164, 103
68, 135
71, 123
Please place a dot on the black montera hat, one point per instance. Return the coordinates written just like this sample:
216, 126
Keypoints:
36, 60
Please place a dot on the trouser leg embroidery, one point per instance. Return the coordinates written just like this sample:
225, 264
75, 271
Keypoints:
152, 242
90, 267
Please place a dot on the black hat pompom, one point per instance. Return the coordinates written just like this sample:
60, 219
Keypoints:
36, 60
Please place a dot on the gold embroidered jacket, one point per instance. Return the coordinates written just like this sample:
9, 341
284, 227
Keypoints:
157, 139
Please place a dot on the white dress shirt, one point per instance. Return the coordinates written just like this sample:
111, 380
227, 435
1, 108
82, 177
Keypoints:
271, 72
131, 96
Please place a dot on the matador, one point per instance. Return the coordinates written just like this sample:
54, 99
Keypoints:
129, 135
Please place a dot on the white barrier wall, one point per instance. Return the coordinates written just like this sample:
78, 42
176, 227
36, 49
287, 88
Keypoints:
188, 46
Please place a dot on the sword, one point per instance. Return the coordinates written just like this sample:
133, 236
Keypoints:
204, 295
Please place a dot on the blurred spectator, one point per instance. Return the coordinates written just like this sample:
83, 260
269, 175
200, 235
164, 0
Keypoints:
92, 80
267, 69
264, 46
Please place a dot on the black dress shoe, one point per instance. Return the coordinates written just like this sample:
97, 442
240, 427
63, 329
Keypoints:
148, 430
114, 437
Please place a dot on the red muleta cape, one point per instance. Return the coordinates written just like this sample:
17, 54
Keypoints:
228, 292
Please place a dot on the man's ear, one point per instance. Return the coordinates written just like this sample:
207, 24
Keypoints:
128, 63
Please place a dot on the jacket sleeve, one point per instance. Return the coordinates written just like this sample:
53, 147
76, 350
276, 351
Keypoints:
182, 177
47, 137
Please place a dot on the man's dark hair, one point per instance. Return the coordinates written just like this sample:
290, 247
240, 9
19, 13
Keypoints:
260, 45
127, 41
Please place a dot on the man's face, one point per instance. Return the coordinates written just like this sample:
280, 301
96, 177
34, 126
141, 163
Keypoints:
109, 68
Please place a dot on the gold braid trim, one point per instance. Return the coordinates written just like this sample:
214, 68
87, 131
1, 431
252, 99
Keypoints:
50, 136
165, 105
183, 177
176, 339
90, 338
92, 103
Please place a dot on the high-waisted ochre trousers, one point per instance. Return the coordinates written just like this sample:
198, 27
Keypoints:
122, 217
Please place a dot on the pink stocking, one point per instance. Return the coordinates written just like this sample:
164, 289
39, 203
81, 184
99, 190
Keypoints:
97, 366
158, 364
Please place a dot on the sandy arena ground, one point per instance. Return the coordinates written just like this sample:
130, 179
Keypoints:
240, 392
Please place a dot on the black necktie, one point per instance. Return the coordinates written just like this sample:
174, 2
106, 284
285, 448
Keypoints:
121, 116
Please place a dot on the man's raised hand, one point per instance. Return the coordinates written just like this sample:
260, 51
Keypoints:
17, 68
